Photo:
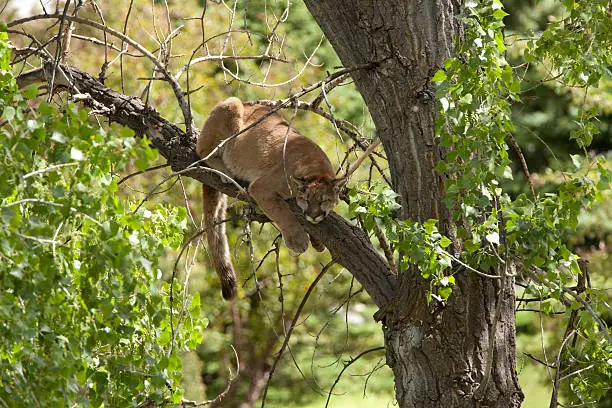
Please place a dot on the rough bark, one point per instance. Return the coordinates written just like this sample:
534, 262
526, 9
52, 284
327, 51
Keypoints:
348, 244
438, 353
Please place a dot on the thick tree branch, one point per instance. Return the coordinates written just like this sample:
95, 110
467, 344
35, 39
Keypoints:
348, 244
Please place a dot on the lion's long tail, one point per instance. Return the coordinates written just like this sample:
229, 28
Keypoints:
215, 204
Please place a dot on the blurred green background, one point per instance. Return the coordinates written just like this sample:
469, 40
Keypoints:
336, 324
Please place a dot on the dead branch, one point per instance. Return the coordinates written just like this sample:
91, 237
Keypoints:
347, 365
587, 306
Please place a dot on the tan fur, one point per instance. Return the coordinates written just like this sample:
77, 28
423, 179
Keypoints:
278, 163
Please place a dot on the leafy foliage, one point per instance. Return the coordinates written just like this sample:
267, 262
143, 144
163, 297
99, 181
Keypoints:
475, 120
84, 317
593, 363
99, 330
420, 244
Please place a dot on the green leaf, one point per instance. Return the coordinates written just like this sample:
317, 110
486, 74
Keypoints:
445, 242
439, 76
538, 261
429, 226
8, 214
141, 163
499, 14
466, 99
575, 268
126, 133
445, 292
76, 154
471, 246
9, 113
30, 92
546, 307
499, 39
441, 167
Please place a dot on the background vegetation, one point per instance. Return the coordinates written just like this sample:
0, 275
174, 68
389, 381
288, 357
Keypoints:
86, 268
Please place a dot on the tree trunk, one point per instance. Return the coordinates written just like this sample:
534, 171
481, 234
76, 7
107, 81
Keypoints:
439, 353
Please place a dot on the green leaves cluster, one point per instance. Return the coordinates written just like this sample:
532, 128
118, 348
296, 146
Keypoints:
84, 317
474, 122
423, 245
476, 91
576, 46
419, 244
594, 361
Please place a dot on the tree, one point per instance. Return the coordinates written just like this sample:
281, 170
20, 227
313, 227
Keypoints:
448, 314
441, 356
433, 352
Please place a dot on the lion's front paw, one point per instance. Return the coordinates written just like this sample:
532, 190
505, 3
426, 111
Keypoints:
317, 245
297, 242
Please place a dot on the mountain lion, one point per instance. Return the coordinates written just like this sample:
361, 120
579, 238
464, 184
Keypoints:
277, 163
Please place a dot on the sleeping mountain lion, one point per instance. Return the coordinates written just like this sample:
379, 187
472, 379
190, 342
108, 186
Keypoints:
277, 163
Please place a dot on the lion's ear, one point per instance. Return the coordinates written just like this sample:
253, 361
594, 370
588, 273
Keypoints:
301, 182
339, 183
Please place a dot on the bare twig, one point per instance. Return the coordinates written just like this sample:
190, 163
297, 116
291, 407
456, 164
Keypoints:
469, 268
129, 176
587, 306
347, 365
160, 66
555, 393
384, 245
58, 49
127, 17
263, 84
208, 58
292, 326
365, 154
97, 41
534, 358
188, 169
518, 151
102, 75
50, 168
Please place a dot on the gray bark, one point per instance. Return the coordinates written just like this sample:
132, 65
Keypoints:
438, 353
